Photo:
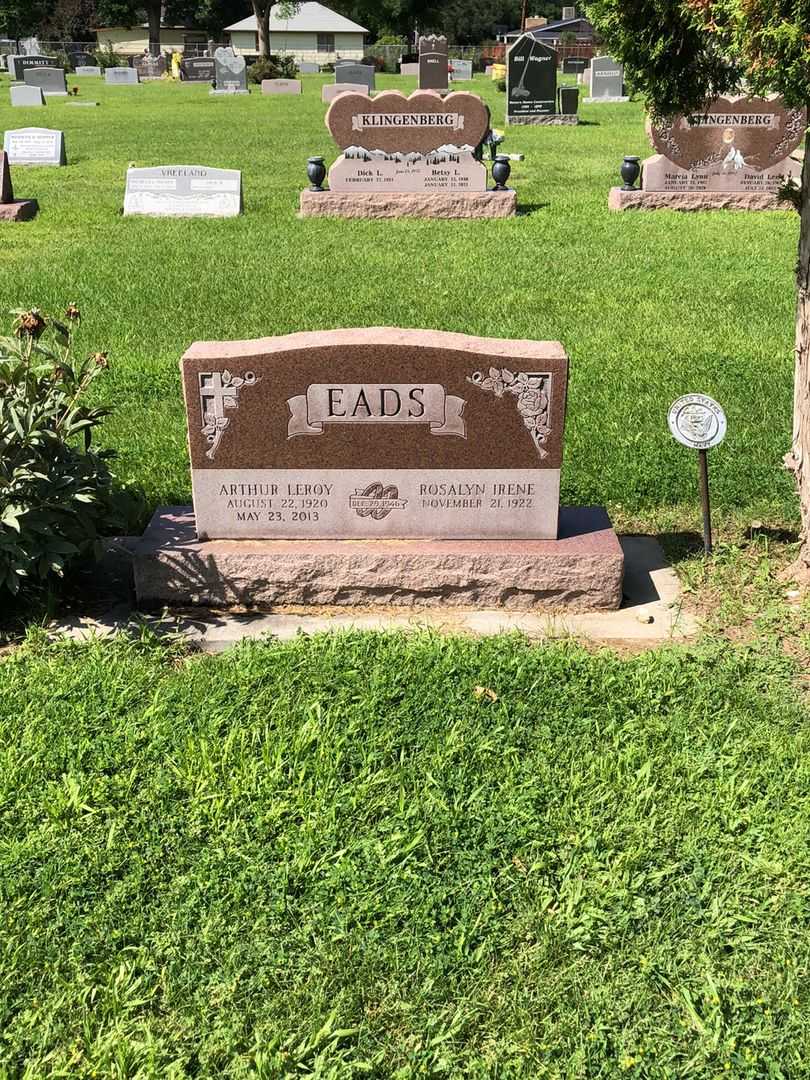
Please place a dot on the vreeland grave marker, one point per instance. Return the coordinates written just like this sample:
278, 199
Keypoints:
183, 191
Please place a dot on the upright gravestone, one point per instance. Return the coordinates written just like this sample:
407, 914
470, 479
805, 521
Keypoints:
35, 146
735, 154
12, 209
50, 80
436, 455
26, 96
461, 70
231, 72
408, 156
88, 69
531, 84
606, 81
81, 59
306, 67
359, 74
573, 65
150, 67
331, 90
409, 69
199, 69
433, 63
183, 191
281, 86
121, 76
18, 65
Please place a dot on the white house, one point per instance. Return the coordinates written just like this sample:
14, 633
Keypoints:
313, 34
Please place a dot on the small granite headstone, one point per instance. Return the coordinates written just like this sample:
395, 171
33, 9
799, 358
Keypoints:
606, 80
199, 69
150, 67
531, 80
183, 191
331, 90
356, 434
572, 65
27, 96
568, 100
461, 70
410, 70
308, 68
87, 69
433, 63
231, 72
80, 59
121, 76
281, 86
50, 80
362, 74
35, 146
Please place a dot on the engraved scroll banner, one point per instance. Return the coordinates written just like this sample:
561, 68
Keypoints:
376, 403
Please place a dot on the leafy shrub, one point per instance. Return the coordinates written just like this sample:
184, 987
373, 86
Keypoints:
273, 67
107, 57
56, 494
500, 86
328, 67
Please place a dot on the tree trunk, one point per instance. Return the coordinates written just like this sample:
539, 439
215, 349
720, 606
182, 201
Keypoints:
153, 13
261, 9
798, 460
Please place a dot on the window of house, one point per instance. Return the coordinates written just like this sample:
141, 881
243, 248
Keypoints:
326, 42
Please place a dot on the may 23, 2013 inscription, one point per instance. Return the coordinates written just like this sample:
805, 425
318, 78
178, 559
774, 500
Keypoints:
350, 434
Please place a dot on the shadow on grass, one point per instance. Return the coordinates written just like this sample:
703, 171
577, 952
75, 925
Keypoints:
525, 209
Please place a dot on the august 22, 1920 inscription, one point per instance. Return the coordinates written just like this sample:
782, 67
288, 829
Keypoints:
376, 433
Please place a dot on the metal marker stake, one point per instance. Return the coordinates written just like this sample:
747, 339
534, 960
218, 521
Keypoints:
697, 421
703, 473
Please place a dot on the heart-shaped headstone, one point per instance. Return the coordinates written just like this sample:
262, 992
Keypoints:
393, 123
756, 132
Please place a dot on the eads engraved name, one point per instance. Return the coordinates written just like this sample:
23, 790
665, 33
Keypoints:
420, 120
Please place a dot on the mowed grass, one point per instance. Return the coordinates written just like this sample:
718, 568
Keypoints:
649, 306
339, 857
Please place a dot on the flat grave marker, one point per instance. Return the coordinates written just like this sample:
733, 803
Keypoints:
183, 191
281, 86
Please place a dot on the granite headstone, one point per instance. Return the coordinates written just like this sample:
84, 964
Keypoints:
606, 79
26, 96
281, 86
433, 63
87, 69
183, 191
19, 64
531, 79
231, 72
121, 76
306, 67
357, 434
35, 146
409, 69
150, 67
461, 70
331, 90
360, 74
199, 69
50, 80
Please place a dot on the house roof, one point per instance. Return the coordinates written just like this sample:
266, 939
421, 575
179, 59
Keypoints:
558, 27
310, 17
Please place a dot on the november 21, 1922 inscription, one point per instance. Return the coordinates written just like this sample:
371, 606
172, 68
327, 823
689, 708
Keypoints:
350, 434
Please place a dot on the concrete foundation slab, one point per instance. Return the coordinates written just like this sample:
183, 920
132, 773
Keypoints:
428, 204
619, 199
580, 571
557, 119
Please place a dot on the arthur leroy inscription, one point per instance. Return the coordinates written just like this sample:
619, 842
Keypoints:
376, 433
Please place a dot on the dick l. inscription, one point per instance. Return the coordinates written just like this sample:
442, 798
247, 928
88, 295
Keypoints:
376, 433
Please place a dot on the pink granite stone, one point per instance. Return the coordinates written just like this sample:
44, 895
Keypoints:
426, 204
331, 90
618, 199
580, 571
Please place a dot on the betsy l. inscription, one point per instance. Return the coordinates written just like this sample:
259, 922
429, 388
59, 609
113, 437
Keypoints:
335, 435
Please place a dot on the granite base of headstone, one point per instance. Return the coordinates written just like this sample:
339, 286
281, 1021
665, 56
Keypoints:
12, 209
183, 191
29, 97
281, 86
378, 467
35, 146
408, 157
735, 155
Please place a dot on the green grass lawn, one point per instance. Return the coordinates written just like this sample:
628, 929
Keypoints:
649, 306
335, 858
